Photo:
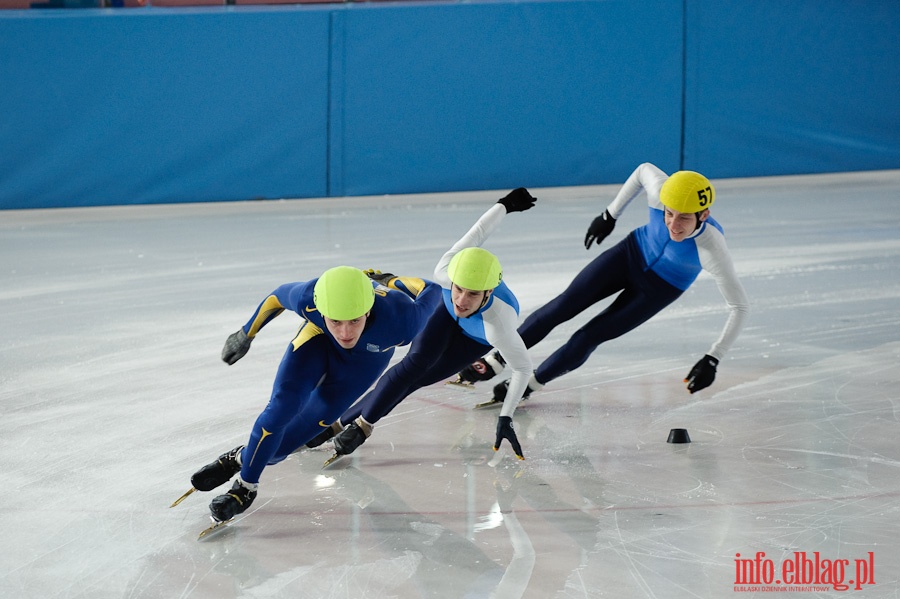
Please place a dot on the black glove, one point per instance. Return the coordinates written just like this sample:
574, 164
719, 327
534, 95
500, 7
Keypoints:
236, 346
505, 431
600, 229
346, 441
518, 200
702, 374
382, 278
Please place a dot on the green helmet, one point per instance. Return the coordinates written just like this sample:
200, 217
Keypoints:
343, 293
476, 269
687, 191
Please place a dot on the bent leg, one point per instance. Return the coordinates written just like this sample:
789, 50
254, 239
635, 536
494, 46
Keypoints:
345, 382
438, 352
631, 309
604, 276
314, 382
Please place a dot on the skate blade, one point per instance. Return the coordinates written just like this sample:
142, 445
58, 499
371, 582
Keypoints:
462, 384
487, 404
183, 497
216, 527
331, 460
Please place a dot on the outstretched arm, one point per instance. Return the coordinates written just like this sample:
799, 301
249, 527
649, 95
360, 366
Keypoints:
518, 200
646, 177
284, 297
715, 259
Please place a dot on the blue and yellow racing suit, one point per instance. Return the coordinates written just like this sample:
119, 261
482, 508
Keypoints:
317, 378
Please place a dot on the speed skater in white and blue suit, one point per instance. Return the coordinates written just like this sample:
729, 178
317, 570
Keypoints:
649, 269
480, 312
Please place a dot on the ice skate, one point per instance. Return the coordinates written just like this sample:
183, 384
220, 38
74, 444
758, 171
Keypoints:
459, 382
482, 369
213, 528
214, 474
325, 435
225, 507
330, 461
219, 472
500, 390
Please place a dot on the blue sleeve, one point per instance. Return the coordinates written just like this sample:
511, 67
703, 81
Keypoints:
290, 296
419, 311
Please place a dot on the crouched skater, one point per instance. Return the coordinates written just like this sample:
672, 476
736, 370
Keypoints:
351, 327
649, 269
480, 312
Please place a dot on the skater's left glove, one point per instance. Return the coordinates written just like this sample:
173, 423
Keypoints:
505, 431
518, 200
411, 286
349, 439
702, 374
382, 278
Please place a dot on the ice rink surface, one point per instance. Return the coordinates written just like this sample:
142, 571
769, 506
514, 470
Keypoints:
113, 393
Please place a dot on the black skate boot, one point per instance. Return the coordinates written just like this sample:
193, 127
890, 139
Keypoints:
225, 507
500, 390
219, 472
326, 434
483, 369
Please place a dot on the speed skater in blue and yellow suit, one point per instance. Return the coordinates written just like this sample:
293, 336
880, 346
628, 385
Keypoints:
351, 327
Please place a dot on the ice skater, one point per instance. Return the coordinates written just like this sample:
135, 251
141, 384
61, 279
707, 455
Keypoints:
649, 269
481, 312
351, 327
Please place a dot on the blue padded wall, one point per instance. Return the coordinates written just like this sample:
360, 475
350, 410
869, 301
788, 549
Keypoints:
232, 103
496, 95
163, 105
805, 86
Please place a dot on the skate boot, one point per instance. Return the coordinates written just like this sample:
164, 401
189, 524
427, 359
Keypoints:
483, 369
225, 507
501, 389
353, 436
326, 434
219, 472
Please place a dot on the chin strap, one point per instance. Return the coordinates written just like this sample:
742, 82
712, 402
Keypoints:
484, 300
699, 222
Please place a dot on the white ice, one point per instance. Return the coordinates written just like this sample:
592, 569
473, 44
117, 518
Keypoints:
113, 393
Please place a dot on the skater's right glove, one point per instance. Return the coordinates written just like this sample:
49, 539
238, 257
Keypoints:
505, 431
352, 437
236, 346
600, 229
518, 200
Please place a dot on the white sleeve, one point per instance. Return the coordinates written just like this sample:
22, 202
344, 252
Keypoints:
500, 322
477, 235
647, 177
715, 259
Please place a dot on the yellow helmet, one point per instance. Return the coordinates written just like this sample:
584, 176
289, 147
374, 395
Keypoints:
343, 293
476, 269
687, 191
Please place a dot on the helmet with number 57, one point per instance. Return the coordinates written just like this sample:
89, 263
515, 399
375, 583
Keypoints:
687, 191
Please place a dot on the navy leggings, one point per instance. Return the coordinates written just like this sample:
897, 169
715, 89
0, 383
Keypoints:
439, 351
316, 382
620, 268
